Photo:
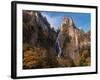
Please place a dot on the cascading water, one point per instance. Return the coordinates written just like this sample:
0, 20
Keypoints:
59, 44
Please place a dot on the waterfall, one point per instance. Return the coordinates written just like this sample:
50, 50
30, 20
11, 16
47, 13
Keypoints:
58, 43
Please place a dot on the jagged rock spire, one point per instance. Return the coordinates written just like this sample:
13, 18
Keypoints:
67, 22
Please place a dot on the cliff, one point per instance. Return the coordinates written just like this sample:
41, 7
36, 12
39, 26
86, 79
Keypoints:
38, 41
76, 43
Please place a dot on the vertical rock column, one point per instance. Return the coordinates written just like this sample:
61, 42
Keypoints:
71, 43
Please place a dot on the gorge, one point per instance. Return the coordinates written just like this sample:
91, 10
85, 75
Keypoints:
44, 47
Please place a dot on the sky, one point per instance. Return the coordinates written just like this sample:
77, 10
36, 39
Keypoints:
81, 20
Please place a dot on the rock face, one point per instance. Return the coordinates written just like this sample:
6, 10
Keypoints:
36, 27
71, 48
29, 27
39, 41
72, 42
